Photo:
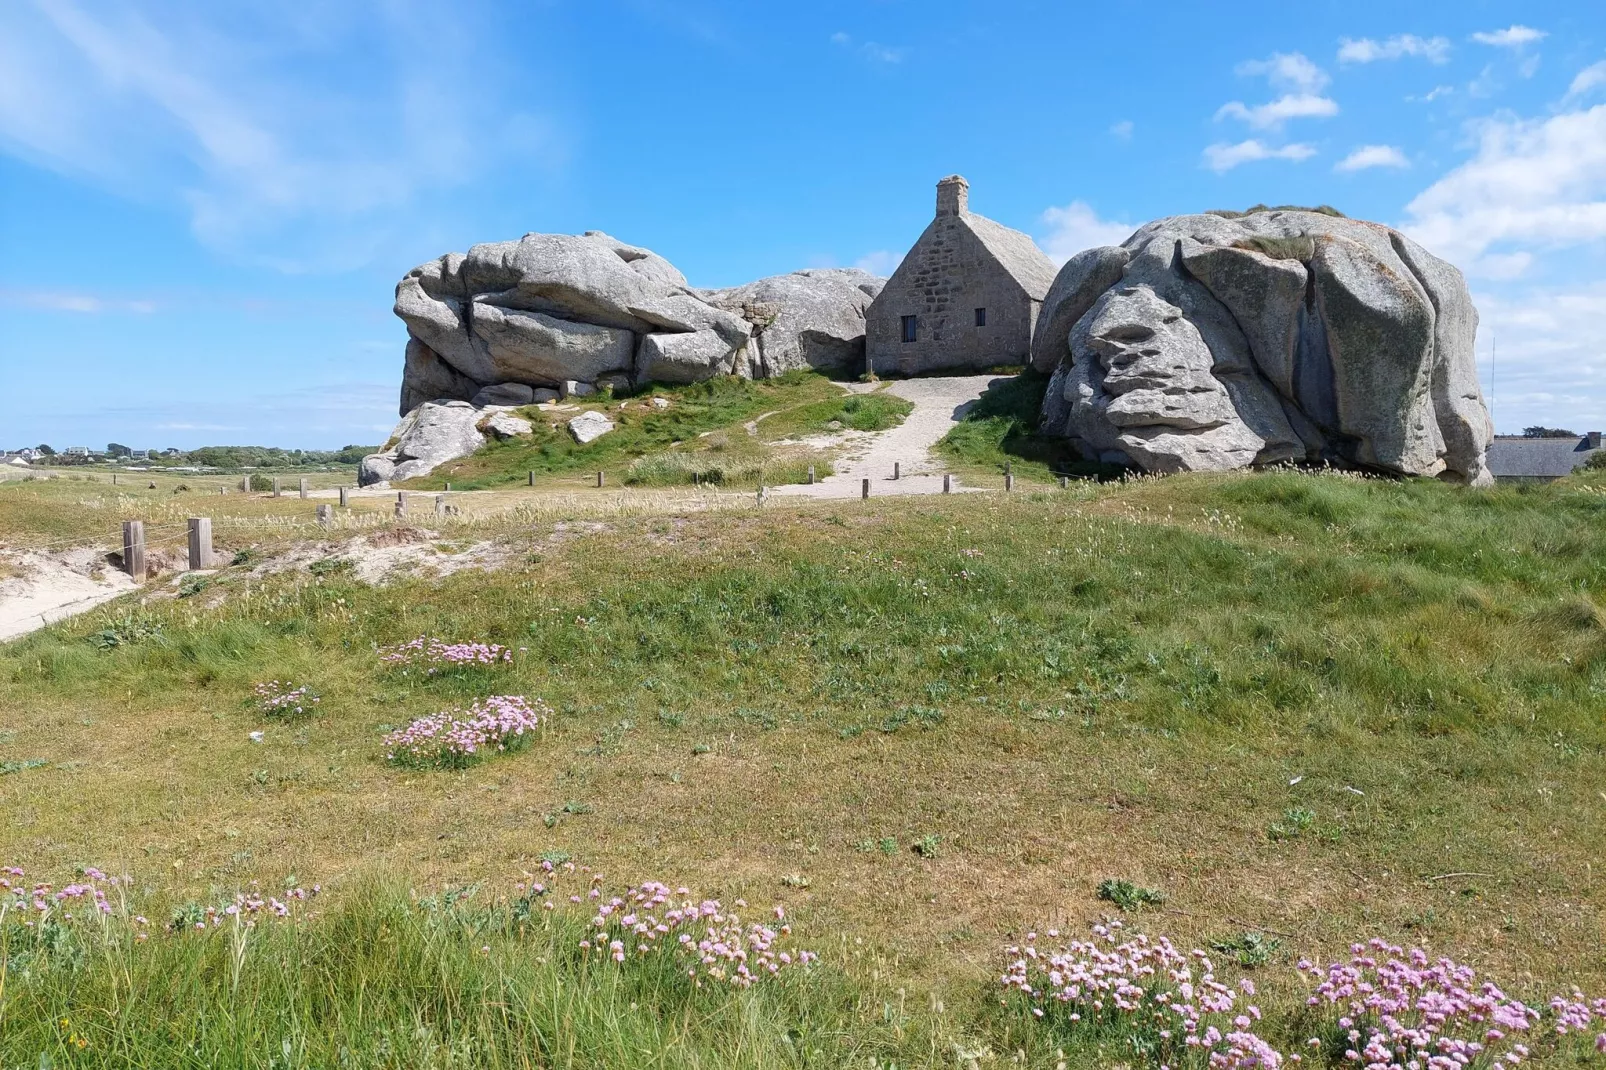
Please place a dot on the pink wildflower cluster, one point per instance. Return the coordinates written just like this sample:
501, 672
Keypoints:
245, 909
654, 919
277, 698
712, 941
436, 654
455, 738
1401, 1011
88, 894
1144, 985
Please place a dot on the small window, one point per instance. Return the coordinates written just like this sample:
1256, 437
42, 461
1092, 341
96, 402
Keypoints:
981, 317
908, 328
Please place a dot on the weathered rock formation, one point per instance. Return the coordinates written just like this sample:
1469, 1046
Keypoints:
1211, 343
588, 310
556, 314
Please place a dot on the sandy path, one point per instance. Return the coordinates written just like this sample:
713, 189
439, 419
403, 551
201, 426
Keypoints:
939, 404
55, 587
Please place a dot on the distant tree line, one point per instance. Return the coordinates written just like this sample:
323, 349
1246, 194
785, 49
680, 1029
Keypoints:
1538, 431
225, 456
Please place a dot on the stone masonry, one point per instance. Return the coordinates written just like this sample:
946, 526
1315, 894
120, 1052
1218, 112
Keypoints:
973, 288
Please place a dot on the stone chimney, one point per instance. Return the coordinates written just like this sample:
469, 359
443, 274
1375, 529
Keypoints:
953, 196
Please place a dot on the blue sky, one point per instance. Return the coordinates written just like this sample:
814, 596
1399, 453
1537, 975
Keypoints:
204, 208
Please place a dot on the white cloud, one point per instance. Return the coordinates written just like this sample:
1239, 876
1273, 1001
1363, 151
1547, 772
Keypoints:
1222, 157
1298, 79
1076, 227
1366, 50
1122, 130
1514, 36
1290, 72
1272, 115
880, 262
279, 153
1372, 156
1550, 367
1434, 94
1535, 183
1591, 77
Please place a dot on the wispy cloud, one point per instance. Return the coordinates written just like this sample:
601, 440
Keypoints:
1367, 50
276, 152
1514, 36
1076, 227
81, 303
1590, 78
1368, 156
880, 262
1122, 130
1298, 79
870, 50
1222, 157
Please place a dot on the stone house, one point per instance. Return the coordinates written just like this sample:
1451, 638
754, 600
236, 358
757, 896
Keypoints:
965, 297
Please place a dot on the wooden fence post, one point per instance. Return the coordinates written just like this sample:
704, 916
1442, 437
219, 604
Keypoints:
114, 479
200, 542
326, 515
532, 477
864, 490
275, 486
401, 504
245, 484
1009, 481
440, 505
1065, 481
134, 549
343, 501
599, 479
811, 475
897, 469
947, 482
303, 487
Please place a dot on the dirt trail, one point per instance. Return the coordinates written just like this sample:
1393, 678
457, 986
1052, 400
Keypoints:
939, 403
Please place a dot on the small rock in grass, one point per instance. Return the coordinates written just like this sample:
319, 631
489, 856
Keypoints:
589, 426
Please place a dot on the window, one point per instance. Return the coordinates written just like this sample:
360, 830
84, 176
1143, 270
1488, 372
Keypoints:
908, 328
981, 317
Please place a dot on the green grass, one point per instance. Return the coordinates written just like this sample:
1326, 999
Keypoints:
856, 412
714, 405
1130, 681
1001, 428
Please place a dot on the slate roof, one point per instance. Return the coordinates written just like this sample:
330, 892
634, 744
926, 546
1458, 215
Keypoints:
1017, 253
1537, 458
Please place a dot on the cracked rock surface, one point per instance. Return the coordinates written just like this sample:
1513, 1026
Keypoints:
1211, 343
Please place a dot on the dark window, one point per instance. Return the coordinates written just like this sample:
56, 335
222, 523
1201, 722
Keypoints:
908, 328
981, 317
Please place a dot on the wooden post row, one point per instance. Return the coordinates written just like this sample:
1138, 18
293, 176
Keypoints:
326, 515
343, 501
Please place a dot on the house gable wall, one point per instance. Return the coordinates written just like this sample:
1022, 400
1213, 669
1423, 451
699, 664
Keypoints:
947, 276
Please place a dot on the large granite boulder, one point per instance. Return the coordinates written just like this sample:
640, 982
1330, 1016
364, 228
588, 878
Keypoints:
431, 435
1209, 342
551, 309
808, 319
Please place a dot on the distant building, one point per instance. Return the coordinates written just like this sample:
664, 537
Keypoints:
966, 295
1519, 457
139, 455
76, 451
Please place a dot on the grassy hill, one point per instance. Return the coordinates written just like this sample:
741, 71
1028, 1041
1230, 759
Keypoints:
726, 431
1304, 710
